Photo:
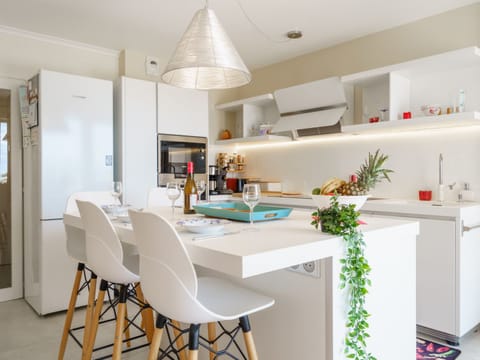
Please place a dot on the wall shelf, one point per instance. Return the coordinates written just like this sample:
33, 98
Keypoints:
237, 105
254, 139
408, 85
418, 123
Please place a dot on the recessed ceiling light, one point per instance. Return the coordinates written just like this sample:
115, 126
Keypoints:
294, 34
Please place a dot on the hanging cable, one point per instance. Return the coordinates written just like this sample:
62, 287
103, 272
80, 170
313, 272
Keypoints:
257, 27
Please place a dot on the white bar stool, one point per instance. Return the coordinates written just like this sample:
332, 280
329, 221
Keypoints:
172, 288
106, 258
76, 249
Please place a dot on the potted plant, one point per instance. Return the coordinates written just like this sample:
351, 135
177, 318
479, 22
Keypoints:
340, 219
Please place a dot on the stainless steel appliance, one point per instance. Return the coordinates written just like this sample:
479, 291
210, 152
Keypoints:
175, 151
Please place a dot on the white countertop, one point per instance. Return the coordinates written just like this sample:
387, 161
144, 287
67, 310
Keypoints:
276, 245
401, 206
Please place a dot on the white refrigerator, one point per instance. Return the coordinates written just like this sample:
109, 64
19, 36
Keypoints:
69, 150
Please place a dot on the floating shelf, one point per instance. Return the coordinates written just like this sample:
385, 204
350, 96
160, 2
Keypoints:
260, 100
418, 123
254, 139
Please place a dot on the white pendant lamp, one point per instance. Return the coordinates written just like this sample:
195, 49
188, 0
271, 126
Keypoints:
205, 57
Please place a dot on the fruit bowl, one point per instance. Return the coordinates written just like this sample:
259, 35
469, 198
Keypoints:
323, 201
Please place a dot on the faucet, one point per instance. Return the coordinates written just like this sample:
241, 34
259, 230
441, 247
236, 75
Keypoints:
440, 179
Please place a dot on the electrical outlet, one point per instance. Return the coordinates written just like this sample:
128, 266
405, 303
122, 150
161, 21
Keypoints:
311, 268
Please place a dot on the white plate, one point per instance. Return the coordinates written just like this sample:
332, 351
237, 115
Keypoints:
203, 225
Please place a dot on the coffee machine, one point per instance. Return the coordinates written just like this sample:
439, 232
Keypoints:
212, 179
216, 180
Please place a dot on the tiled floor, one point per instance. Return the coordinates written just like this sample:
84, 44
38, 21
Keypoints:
26, 336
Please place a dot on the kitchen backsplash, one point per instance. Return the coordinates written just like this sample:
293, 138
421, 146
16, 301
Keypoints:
413, 156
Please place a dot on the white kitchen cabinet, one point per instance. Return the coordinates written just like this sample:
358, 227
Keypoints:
398, 88
182, 111
136, 139
448, 286
436, 275
248, 115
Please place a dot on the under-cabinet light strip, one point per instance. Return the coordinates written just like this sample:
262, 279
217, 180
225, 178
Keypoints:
450, 131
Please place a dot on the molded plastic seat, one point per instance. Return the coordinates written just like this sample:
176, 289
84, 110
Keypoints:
75, 239
103, 247
106, 258
75, 236
171, 285
157, 197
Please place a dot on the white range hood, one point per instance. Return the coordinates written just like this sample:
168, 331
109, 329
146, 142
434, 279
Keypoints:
313, 108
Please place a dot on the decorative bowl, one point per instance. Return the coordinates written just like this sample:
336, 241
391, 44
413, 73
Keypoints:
431, 110
323, 201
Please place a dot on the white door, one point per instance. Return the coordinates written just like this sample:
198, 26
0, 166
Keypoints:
11, 277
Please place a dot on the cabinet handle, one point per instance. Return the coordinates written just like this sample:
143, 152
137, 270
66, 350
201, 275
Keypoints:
468, 228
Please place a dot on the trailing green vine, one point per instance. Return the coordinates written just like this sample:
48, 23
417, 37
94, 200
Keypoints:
343, 220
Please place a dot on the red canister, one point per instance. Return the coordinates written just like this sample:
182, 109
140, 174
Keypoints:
232, 184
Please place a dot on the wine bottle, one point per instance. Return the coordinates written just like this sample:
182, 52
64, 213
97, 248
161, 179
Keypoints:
189, 191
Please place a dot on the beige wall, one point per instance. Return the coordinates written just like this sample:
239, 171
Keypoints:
132, 64
448, 31
23, 54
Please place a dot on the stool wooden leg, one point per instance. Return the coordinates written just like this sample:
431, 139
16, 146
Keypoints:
71, 310
193, 341
247, 335
147, 314
89, 313
179, 342
126, 333
212, 334
157, 337
95, 319
117, 344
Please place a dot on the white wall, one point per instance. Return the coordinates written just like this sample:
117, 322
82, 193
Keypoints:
413, 157
24, 53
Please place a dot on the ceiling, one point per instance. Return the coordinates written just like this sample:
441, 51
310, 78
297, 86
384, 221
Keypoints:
153, 27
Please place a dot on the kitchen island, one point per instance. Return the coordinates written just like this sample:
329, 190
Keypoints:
308, 319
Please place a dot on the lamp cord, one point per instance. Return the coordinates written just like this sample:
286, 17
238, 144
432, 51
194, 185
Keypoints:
256, 26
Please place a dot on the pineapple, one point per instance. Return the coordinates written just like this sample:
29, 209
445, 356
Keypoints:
369, 174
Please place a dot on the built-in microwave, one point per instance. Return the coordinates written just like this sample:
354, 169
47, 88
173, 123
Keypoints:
175, 151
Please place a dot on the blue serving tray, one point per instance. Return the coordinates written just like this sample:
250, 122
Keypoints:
240, 212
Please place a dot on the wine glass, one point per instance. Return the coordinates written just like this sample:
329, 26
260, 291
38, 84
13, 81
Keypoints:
117, 190
251, 197
201, 187
173, 193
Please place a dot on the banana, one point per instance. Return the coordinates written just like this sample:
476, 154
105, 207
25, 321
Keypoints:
331, 185
327, 185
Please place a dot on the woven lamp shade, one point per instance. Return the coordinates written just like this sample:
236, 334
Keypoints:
205, 58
